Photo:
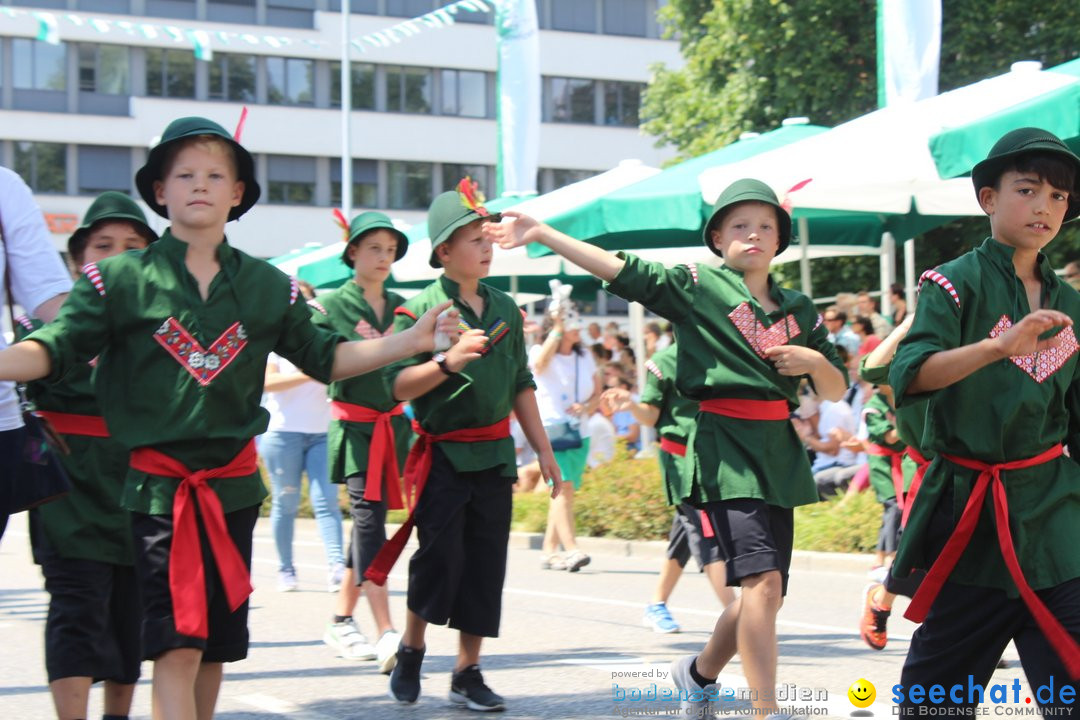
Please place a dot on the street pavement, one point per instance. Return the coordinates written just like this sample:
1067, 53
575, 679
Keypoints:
570, 644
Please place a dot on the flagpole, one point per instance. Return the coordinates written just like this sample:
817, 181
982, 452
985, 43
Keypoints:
346, 115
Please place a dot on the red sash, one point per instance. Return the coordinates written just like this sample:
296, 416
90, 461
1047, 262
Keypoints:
896, 458
990, 475
382, 454
673, 447
187, 576
916, 481
70, 424
746, 409
417, 469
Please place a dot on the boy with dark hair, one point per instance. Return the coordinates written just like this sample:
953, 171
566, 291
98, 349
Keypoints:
993, 349
191, 320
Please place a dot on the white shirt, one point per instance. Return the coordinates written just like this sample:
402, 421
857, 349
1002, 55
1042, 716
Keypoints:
303, 409
834, 415
37, 272
601, 439
555, 391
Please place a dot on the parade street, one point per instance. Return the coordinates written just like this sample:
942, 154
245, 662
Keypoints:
572, 645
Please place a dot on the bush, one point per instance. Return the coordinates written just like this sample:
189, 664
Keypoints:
623, 499
839, 525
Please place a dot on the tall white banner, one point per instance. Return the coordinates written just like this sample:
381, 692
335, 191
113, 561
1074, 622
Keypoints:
518, 89
909, 49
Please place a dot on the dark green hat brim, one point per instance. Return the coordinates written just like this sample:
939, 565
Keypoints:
189, 127
370, 222
1020, 142
747, 190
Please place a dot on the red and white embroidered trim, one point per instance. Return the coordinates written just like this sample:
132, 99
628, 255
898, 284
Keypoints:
1043, 363
820, 320
651, 367
762, 338
94, 276
25, 322
693, 272
294, 290
318, 306
936, 277
204, 365
368, 331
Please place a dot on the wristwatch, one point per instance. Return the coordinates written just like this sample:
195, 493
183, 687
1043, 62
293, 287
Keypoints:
440, 360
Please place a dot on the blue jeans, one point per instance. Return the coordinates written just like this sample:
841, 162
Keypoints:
286, 455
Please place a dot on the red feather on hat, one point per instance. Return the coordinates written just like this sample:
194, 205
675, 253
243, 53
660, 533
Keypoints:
786, 202
471, 197
340, 221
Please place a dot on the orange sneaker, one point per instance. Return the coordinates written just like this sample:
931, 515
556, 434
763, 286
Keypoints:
874, 618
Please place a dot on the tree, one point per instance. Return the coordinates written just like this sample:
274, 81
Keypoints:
752, 63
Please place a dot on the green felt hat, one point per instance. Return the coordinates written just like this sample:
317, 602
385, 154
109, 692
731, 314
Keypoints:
747, 190
109, 206
453, 209
366, 222
189, 127
1018, 142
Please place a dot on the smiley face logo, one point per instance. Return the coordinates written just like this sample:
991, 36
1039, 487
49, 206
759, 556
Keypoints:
862, 693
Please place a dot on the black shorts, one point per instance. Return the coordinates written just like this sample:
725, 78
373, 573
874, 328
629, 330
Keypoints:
754, 537
95, 619
463, 523
686, 539
368, 530
227, 640
889, 535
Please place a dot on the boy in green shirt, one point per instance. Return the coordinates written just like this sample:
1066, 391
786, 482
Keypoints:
463, 466
997, 519
191, 321
744, 345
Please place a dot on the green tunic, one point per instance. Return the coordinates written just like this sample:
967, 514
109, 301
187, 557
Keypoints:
484, 392
178, 373
87, 523
723, 332
346, 312
1012, 409
876, 413
676, 420
910, 420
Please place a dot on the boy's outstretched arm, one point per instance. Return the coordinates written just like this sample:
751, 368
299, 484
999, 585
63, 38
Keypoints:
522, 230
363, 356
620, 399
950, 366
528, 416
24, 362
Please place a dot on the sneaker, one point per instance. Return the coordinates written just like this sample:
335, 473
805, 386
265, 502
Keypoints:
874, 618
286, 580
405, 677
386, 650
552, 562
349, 642
467, 688
695, 701
659, 619
577, 560
878, 573
334, 577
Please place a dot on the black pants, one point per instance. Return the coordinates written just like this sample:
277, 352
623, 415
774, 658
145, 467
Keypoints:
11, 448
686, 539
369, 527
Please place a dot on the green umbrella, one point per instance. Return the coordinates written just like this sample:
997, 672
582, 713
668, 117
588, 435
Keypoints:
957, 149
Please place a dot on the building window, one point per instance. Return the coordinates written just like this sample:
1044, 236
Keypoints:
170, 73
104, 168
184, 9
561, 178
42, 165
291, 13
364, 7
622, 101
290, 81
365, 183
573, 15
408, 89
234, 11
626, 17
232, 77
117, 7
573, 100
363, 85
409, 185
452, 173
464, 93
408, 8
291, 180
104, 69
39, 66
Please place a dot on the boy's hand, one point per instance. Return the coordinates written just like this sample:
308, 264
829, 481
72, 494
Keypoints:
616, 399
514, 231
1023, 337
549, 470
465, 349
794, 360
